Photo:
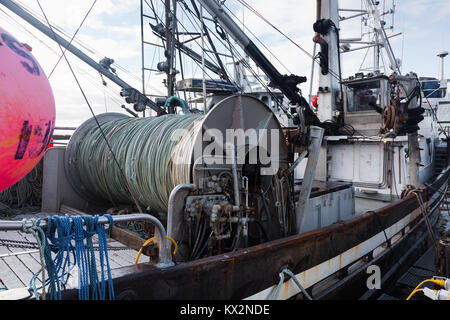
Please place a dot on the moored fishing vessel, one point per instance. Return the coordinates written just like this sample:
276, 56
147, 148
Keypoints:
318, 224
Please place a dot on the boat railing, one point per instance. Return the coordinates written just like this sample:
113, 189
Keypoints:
62, 135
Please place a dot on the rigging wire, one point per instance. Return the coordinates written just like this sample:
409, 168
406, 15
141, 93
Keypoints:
236, 52
257, 39
195, 40
197, 26
94, 81
89, 105
73, 37
254, 11
68, 36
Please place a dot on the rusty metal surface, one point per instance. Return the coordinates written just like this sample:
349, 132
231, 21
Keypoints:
442, 259
245, 272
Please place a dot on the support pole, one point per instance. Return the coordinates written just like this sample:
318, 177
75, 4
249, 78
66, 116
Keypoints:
142, 51
316, 136
414, 159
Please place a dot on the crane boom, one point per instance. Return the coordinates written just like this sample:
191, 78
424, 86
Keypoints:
133, 95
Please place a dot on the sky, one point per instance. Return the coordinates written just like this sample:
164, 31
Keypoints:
112, 29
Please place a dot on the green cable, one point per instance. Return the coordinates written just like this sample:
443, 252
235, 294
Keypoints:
25, 195
145, 151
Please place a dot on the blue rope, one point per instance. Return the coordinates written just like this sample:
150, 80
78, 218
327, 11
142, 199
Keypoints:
89, 285
59, 233
58, 239
39, 234
103, 253
80, 249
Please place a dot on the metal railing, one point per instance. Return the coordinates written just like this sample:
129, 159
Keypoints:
62, 135
165, 257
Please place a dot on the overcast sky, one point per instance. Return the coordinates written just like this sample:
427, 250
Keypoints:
113, 29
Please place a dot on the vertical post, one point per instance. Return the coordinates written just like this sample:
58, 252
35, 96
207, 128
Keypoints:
328, 83
311, 80
170, 48
376, 53
316, 136
443, 81
414, 159
203, 61
142, 51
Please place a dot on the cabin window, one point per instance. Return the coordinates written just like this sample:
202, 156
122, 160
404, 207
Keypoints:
359, 95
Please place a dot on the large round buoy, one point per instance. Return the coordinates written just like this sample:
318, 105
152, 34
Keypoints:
27, 111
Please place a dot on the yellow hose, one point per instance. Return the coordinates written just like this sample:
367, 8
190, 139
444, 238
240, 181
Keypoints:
435, 281
146, 243
413, 293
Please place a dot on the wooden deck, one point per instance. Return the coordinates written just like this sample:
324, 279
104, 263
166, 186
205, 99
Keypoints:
17, 265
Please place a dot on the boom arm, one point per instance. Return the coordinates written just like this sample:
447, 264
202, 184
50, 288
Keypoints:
287, 84
133, 95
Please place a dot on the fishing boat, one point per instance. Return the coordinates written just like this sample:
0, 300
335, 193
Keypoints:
255, 194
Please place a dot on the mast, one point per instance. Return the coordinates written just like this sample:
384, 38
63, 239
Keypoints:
329, 85
442, 56
378, 38
142, 50
170, 15
381, 34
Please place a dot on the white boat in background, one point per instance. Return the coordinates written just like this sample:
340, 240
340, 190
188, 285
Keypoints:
436, 96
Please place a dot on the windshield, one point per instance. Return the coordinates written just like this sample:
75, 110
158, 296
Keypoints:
359, 96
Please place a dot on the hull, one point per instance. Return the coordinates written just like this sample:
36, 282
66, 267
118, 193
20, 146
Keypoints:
330, 263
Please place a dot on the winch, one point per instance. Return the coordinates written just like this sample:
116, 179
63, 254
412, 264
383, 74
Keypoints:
220, 180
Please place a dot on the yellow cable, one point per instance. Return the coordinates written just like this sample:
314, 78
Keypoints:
435, 281
146, 243
413, 293
175, 245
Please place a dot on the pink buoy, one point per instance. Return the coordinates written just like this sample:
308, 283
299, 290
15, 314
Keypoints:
27, 111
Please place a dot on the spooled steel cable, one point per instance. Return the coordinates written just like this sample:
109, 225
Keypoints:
154, 153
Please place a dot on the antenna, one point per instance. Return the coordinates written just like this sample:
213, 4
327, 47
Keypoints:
442, 55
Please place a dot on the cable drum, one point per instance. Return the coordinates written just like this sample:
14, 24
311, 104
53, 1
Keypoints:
151, 156
145, 149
